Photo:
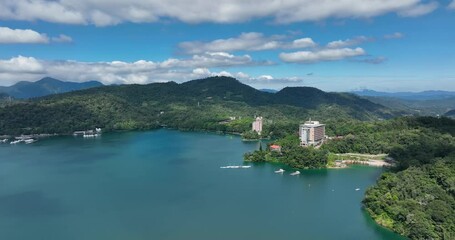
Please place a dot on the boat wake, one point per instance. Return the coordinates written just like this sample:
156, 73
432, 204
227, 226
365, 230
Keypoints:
235, 167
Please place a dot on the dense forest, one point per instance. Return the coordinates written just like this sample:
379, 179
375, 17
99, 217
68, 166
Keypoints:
206, 104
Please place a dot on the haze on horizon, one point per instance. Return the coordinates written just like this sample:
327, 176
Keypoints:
335, 46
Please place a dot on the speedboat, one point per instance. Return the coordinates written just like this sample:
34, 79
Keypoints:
295, 173
280, 171
245, 166
357, 189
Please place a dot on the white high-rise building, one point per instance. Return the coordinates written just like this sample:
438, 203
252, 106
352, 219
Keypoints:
311, 133
257, 125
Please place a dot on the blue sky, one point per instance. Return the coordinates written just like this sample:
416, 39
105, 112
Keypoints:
335, 46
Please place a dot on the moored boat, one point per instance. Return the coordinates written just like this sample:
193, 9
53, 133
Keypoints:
295, 173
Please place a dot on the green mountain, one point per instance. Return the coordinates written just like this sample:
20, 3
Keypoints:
209, 104
45, 86
3, 95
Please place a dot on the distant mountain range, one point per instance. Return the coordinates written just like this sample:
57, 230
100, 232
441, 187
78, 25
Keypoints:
450, 113
425, 95
44, 87
268, 90
427, 103
198, 104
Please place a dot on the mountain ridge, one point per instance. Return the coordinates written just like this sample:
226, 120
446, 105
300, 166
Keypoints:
424, 95
203, 104
45, 86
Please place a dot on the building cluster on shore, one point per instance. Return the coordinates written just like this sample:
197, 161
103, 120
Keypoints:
311, 133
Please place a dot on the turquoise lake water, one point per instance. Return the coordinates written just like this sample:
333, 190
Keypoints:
168, 184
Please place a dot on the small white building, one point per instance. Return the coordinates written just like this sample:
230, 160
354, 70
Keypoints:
257, 125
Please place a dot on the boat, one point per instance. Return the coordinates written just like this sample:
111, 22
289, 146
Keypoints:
28, 141
295, 173
245, 166
280, 171
4, 141
357, 189
15, 142
91, 135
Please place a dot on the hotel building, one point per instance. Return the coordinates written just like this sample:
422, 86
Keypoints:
257, 125
311, 133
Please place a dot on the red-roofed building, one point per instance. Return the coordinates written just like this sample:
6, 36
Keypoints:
276, 148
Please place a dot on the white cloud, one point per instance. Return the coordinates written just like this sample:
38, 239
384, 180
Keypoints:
251, 41
301, 43
321, 55
8, 35
395, 35
349, 42
452, 5
419, 10
21, 64
60, 11
142, 71
62, 38
111, 12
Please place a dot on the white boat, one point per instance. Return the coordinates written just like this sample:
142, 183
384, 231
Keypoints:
295, 173
245, 166
90, 135
28, 141
15, 142
357, 189
4, 141
280, 171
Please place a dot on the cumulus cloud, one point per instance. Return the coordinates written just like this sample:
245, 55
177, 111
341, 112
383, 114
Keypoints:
8, 35
251, 41
419, 10
111, 12
62, 38
395, 35
321, 55
142, 71
349, 42
21, 64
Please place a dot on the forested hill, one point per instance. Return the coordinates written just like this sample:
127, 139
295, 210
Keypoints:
197, 104
45, 86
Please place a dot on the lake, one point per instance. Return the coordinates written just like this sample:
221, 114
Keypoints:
167, 184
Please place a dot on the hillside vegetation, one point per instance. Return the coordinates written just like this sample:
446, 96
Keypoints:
199, 104
417, 198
